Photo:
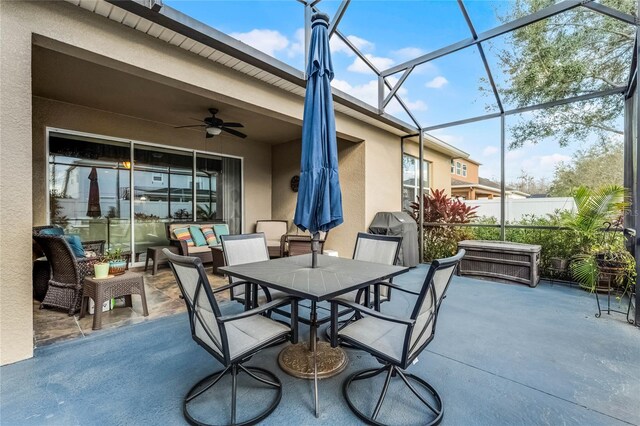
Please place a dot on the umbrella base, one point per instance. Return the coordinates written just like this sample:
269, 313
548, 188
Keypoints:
297, 360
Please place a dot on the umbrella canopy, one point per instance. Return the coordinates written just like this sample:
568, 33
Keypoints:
93, 206
319, 206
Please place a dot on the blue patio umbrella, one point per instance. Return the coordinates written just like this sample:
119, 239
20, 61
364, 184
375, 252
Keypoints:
319, 206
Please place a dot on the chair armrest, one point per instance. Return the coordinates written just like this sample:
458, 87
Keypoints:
374, 313
260, 309
283, 244
85, 266
94, 245
229, 286
397, 287
183, 249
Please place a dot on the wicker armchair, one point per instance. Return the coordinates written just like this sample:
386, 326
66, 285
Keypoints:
96, 246
67, 273
296, 245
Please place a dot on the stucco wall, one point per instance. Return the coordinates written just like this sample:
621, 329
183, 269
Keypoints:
286, 164
16, 319
440, 166
76, 32
472, 171
257, 156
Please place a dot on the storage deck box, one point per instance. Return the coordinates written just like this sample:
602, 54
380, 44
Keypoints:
501, 261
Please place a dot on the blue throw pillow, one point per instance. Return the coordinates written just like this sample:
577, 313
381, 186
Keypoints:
76, 245
221, 229
197, 235
52, 231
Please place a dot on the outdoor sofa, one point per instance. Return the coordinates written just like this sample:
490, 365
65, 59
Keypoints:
202, 251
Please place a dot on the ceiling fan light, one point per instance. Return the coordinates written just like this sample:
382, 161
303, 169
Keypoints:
214, 131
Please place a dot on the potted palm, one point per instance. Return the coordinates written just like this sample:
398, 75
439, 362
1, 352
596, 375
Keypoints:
603, 261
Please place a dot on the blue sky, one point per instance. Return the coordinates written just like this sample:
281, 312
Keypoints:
390, 32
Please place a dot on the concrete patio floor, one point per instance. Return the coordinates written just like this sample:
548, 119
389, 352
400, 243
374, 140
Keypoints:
503, 355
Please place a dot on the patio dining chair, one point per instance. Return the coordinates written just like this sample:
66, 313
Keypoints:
371, 248
230, 339
396, 343
247, 248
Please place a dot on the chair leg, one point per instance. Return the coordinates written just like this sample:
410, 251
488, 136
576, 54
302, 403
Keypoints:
258, 374
234, 392
436, 410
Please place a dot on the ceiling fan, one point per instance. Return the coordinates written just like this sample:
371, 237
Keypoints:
214, 126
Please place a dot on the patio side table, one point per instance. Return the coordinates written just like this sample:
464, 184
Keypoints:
217, 255
108, 288
155, 255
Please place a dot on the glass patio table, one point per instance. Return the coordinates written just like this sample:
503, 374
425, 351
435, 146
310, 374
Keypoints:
333, 276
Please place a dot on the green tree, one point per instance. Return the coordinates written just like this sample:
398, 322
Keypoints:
570, 54
598, 166
530, 184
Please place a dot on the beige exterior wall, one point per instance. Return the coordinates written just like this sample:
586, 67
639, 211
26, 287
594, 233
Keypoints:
472, 171
16, 319
370, 171
256, 156
440, 165
286, 164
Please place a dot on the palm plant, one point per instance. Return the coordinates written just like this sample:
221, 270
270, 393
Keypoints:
595, 209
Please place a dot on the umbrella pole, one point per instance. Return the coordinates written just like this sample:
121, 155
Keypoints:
315, 244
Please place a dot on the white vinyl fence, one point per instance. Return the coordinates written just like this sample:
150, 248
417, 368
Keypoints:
517, 208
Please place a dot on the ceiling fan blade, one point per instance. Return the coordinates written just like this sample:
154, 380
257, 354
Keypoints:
225, 124
194, 125
234, 132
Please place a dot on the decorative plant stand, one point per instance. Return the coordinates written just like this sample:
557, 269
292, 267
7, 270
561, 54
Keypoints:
609, 276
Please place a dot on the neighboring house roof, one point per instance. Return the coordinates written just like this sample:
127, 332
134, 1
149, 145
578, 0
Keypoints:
468, 160
486, 184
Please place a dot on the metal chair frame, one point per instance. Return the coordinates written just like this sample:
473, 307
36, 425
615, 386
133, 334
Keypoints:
392, 366
233, 365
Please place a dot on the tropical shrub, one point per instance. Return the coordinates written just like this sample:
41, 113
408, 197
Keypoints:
442, 240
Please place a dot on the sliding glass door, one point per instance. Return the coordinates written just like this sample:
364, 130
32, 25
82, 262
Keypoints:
92, 182
89, 181
163, 192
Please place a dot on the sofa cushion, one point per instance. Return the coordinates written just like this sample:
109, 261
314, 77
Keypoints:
272, 229
200, 249
220, 229
197, 236
76, 245
209, 235
184, 235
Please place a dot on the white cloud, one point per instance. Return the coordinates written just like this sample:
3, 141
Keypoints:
368, 93
339, 46
454, 140
379, 62
437, 82
267, 41
490, 150
544, 163
297, 46
514, 154
407, 53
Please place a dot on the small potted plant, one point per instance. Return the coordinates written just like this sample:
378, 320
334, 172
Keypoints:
101, 267
117, 262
